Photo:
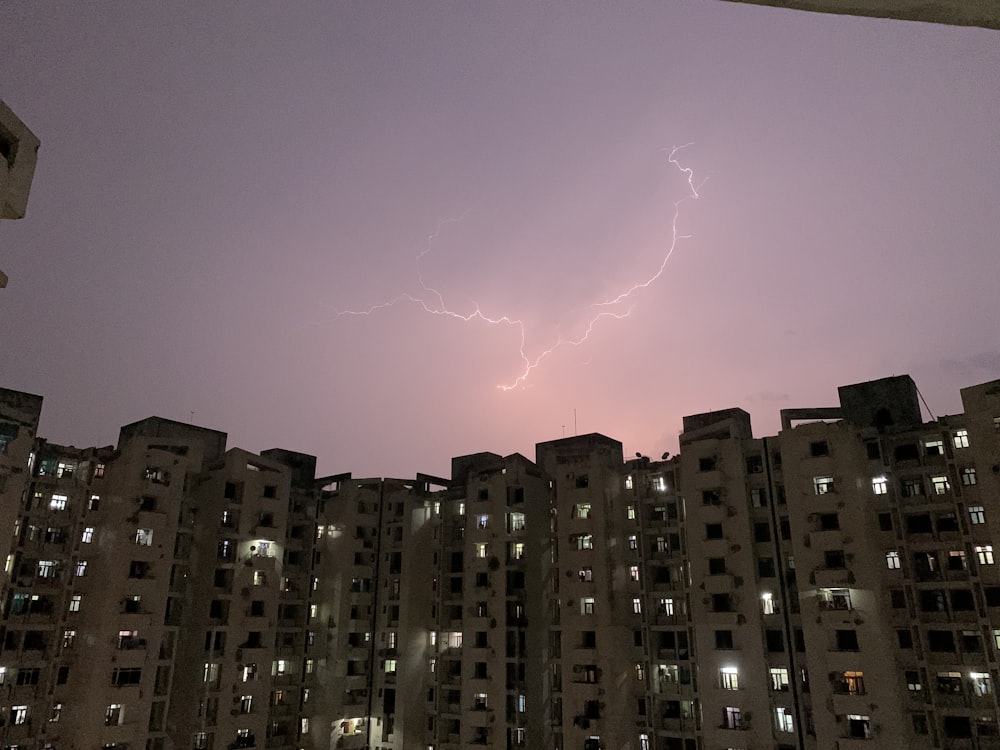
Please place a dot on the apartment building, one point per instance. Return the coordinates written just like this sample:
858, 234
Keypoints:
833, 586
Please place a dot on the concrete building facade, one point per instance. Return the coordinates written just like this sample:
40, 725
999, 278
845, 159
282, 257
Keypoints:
833, 586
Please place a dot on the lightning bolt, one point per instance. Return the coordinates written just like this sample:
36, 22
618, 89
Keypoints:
432, 300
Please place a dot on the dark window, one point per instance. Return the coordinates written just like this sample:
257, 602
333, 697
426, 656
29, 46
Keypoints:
992, 595
483, 494
941, 640
962, 600
947, 522
230, 491
588, 638
829, 521
847, 640
62, 676
716, 566
722, 603
907, 452
919, 523
834, 558
819, 448
775, 640
765, 567
885, 521
724, 639
904, 638
761, 532
898, 598
582, 481
710, 497
755, 464
257, 608
706, 464
713, 531
873, 450
957, 726
786, 528
932, 600
270, 491
482, 580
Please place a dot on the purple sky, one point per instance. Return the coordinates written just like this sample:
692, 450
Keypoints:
216, 181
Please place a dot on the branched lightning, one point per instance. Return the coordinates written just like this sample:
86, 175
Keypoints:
432, 301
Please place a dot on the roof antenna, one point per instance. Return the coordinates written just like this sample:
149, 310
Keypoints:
933, 418
574, 423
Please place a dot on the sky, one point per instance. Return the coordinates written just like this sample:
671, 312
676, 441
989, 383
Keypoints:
220, 186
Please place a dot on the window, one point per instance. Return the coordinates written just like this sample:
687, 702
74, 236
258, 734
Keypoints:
585, 541
713, 531
123, 676
732, 718
980, 683
835, 599
940, 484
516, 521
633, 573
768, 603
482, 550
636, 606
968, 476
822, 485
934, 447
81, 568
630, 512
729, 678
482, 521
716, 566
581, 510
75, 601
829, 521
144, 537
628, 482
834, 559
19, 714
516, 550
859, 726
88, 535
55, 712
977, 514
724, 639
880, 485
46, 568
779, 679
58, 502
67, 641
586, 575
984, 554
706, 464
854, 683
783, 720
587, 605
640, 673
961, 439
666, 607
913, 487
819, 448
633, 542
114, 714
892, 560
846, 640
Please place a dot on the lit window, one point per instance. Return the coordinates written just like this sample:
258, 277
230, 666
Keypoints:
482, 521
961, 438
977, 514
980, 680
586, 575
628, 482
854, 683
630, 512
640, 673
768, 603
587, 605
46, 568
144, 537
390, 666
19, 714
822, 485
659, 484
56, 711
729, 678
479, 701
633, 542
516, 550
934, 447
114, 714
246, 704
835, 598
779, 679
210, 672
732, 718
88, 535
880, 485
99, 471
482, 550
636, 606
644, 742
892, 560
259, 578
81, 568
58, 502
941, 485
633, 572
913, 682
585, 541
783, 720
859, 726
249, 672
522, 703
667, 606
581, 510
74, 602
984, 554
516, 521
968, 476
68, 637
